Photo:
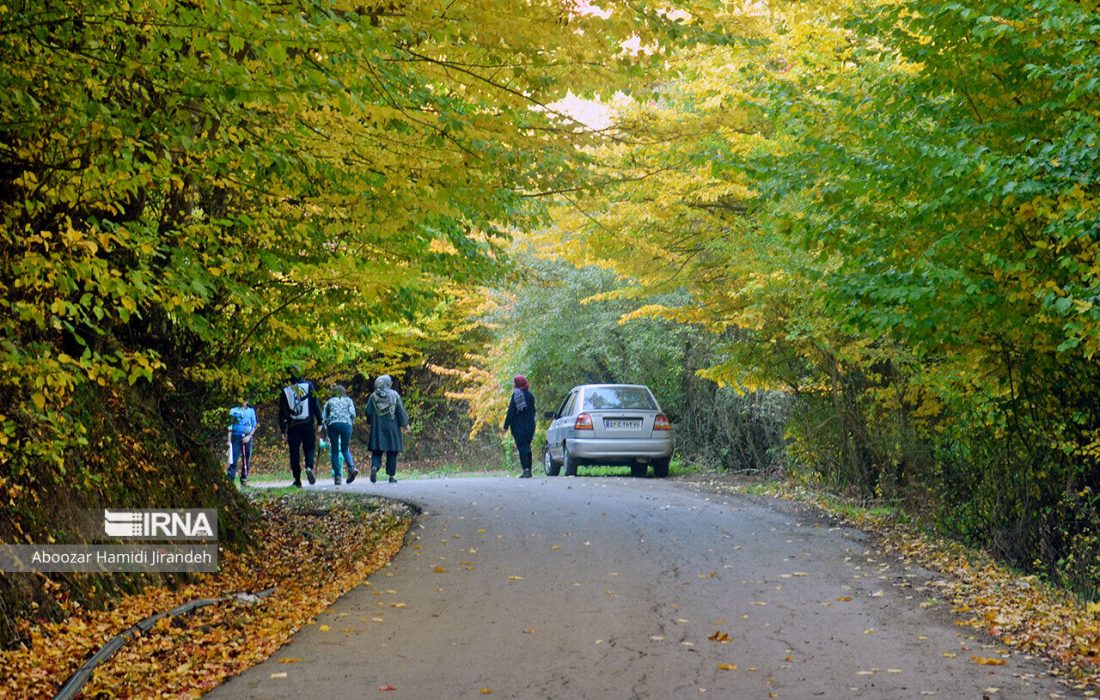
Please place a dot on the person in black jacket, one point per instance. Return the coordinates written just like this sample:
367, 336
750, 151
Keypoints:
299, 418
521, 419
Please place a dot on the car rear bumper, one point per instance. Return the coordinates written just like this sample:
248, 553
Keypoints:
620, 450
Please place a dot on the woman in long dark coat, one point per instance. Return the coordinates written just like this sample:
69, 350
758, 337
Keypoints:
386, 417
521, 419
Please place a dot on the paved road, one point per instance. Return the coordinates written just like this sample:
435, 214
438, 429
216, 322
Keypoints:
631, 588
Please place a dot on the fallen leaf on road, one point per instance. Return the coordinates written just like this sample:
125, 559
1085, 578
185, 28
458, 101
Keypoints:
486, 691
440, 570
289, 660
727, 667
279, 675
515, 578
325, 628
844, 598
386, 687
720, 636
397, 605
985, 661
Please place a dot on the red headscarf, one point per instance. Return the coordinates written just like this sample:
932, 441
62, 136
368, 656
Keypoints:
520, 382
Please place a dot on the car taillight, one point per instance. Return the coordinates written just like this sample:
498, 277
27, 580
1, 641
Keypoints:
660, 422
584, 422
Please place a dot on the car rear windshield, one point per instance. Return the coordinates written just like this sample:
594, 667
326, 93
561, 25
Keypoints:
616, 397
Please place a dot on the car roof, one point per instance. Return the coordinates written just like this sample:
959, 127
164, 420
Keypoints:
601, 386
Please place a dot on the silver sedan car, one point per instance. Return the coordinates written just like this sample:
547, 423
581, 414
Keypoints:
614, 424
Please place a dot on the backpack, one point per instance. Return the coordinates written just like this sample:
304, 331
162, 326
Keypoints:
297, 398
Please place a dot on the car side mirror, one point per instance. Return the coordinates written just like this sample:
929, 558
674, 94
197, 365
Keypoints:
549, 415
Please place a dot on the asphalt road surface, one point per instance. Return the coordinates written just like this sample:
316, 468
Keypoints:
609, 588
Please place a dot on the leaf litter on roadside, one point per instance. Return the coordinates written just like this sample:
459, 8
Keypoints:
311, 548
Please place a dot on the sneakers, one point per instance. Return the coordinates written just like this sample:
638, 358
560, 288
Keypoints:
297, 483
526, 474
352, 473
373, 475
393, 480
336, 480
244, 481
310, 477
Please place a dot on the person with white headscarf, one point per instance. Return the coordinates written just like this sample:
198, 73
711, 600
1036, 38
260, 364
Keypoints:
387, 417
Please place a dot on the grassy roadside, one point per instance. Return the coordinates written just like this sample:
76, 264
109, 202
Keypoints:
1022, 612
449, 471
324, 476
312, 548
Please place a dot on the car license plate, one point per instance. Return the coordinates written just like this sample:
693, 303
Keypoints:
621, 424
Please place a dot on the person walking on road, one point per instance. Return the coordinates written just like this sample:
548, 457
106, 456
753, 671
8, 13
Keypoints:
521, 420
240, 439
338, 418
299, 409
386, 416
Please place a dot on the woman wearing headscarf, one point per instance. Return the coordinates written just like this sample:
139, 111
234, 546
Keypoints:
521, 419
386, 417
338, 417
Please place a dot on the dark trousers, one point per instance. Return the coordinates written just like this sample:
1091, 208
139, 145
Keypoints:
376, 461
301, 436
524, 449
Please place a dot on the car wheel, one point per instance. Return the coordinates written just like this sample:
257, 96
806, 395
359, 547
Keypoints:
638, 469
660, 467
548, 464
568, 461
